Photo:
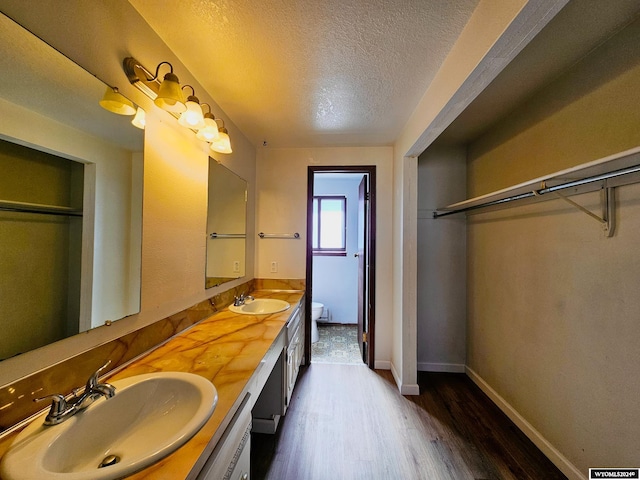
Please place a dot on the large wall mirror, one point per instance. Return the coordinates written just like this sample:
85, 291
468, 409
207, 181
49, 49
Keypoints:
226, 225
72, 261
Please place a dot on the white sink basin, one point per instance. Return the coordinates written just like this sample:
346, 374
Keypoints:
149, 417
261, 306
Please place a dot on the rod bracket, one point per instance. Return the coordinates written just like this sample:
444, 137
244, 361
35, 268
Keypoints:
607, 200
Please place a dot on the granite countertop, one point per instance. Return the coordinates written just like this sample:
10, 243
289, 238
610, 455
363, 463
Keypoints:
225, 348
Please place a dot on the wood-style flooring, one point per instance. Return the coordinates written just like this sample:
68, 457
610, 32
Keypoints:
350, 422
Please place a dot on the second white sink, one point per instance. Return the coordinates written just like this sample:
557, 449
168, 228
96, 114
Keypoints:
149, 417
261, 306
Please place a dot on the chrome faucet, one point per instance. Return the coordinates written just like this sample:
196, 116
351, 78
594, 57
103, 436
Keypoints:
94, 390
238, 301
63, 409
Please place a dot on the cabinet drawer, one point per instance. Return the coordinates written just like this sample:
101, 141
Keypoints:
294, 359
293, 324
242, 469
231, 459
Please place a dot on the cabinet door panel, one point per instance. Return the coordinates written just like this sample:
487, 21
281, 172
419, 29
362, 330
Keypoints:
231, 459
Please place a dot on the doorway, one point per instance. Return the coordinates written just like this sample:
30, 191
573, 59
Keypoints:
340, 258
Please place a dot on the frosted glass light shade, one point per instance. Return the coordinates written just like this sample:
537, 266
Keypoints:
192, 117
115, 102
140, 120
209, 132
170, 97
223, 144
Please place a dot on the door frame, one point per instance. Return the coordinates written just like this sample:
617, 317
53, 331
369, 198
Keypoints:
369, 170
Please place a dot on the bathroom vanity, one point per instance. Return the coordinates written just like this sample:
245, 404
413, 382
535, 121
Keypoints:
275, 396
269, 391
244, 356
268, 385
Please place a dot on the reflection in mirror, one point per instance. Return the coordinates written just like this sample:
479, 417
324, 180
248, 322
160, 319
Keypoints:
72, 261
226, 225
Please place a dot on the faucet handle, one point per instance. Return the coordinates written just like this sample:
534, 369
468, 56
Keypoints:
58, 404
93, 379
58, 408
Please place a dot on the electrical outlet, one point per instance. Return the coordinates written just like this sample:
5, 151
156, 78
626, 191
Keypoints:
236, 266
274, 267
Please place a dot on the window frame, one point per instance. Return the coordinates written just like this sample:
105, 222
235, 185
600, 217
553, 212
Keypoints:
317, 226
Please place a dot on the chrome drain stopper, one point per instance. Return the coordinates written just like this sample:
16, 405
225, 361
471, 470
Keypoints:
108, 461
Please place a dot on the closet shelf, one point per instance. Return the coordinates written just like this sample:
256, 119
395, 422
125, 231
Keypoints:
613, 171
25, 207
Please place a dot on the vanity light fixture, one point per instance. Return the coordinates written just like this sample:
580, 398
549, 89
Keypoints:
222, 144
150, 85
209, 132
192, 117
170, 97
115, 102
140, 119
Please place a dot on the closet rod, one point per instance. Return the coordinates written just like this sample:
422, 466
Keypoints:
543, 190
24, 207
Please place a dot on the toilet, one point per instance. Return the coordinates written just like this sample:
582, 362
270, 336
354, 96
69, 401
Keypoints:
316, 313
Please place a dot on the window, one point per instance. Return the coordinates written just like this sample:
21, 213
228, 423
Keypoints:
329, 225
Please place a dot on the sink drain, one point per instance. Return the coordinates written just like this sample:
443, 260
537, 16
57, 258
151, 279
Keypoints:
108, 461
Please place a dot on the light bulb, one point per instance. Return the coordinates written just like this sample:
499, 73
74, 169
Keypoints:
140, 120
209, 132
192, 117
223, 144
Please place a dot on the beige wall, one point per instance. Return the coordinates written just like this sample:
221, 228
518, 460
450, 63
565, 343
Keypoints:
282, 208
441, 292
553, 304
586, 115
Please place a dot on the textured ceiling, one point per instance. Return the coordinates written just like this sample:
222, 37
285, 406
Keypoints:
315, 72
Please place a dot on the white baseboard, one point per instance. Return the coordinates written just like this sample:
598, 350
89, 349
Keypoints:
441, 367
410, 389
396, 377
559, 460
405, 389
382, 365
